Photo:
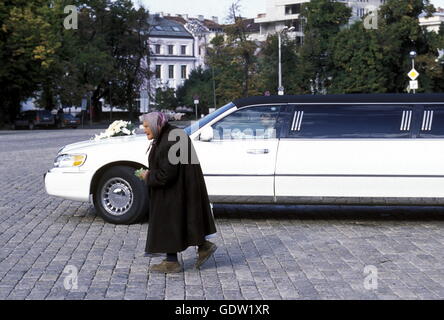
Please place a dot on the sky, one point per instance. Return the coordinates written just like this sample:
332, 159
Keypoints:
438, 3
207, 8
219, 8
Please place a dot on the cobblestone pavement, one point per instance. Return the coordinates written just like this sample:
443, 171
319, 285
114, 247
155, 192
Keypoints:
300, 252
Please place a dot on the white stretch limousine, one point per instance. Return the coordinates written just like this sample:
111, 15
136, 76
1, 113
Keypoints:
333, 149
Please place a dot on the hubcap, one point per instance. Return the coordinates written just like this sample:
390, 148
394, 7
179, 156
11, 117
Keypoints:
117, 196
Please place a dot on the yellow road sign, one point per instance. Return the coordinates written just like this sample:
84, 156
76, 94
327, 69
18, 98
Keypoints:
413, 74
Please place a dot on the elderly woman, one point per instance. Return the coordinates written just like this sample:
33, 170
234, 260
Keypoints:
180, 212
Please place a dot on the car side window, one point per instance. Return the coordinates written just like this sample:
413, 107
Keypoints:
348, 122
431, 123
248, 123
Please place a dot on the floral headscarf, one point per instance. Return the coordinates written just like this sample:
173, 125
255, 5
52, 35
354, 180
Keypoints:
156, 121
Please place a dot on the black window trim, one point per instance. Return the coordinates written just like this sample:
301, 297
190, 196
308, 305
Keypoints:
421, 110
285, 130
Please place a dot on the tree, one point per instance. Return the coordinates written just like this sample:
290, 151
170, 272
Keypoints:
399, 33
357, 57
243, 49
234, 59
166, 98
324, 19
130, 49
228, 74
40, 57
28, 48
198, 84
377, 60
268, 66
112, 47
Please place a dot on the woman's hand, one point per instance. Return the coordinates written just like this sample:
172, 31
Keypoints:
144, 175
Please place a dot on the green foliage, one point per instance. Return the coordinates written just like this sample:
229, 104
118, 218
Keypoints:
107, 57
39, 55
267, 79
28, 48
358, 65
234, 59
166, 98
324, 21
377, 60
199, 84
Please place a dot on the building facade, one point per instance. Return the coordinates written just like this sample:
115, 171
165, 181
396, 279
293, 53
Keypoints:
177, 47
287, 13
434, 22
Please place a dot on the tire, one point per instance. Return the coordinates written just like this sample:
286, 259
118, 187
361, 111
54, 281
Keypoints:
121, 197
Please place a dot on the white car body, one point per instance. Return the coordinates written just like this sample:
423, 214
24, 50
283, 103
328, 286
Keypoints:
75, 183
288, 170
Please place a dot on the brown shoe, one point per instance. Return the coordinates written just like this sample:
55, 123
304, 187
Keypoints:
204, 253
166, 267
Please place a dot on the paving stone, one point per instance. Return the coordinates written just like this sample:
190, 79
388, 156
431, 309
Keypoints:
302, 252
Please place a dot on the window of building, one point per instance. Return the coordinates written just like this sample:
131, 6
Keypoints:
170, 49
171, 72
298, 25
183, 72
157, 48
183, 50
293, 9
158, 71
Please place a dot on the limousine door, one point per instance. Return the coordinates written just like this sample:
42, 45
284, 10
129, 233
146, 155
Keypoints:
239, 162
349, 151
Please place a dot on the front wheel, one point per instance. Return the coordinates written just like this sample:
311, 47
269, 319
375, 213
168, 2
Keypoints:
121, 197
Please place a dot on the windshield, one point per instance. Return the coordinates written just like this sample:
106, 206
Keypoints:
208, 118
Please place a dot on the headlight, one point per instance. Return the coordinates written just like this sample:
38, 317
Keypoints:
69, 160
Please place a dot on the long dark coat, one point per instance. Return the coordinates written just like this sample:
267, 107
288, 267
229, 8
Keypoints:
180, 214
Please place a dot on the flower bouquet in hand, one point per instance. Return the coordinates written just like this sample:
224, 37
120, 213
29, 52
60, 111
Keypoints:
139, 173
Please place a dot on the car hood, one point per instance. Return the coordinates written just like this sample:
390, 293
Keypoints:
87, 144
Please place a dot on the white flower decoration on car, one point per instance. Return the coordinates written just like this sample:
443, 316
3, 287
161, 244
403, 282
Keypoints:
116, 129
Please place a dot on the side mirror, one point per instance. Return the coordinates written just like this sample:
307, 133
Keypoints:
206, 134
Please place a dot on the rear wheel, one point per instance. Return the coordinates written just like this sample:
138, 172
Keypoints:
121, 197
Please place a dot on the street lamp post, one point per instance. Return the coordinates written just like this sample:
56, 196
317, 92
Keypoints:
90, 109
110, 104
285, 29
196, 102
214, 89
413, 56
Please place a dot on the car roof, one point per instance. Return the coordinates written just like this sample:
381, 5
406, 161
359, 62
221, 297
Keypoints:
345, 98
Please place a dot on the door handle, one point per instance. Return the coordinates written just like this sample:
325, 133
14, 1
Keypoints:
258, 151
